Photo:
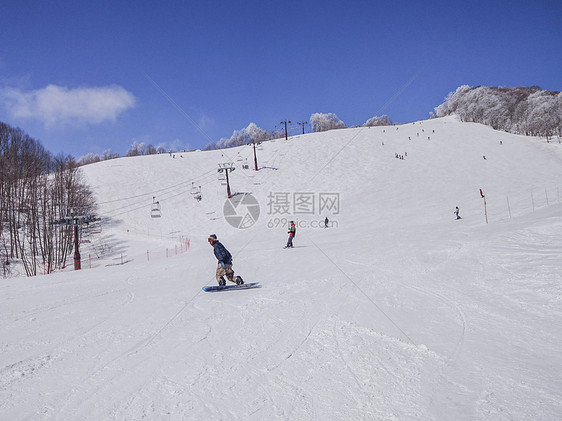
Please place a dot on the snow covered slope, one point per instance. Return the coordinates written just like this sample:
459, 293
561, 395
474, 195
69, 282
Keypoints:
397, 311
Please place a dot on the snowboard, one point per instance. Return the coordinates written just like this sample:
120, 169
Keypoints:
216, 288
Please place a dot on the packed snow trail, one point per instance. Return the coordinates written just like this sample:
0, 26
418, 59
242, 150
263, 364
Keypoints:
397, 311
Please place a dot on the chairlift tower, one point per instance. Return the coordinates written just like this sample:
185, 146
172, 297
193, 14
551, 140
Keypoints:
72, 218
77, 257
285, 123
302, 124
255, 155
226, 167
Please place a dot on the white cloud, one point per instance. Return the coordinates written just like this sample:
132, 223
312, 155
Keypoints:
205, 122
60, 106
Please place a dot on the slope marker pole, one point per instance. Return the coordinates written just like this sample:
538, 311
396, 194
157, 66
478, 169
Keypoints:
485, 208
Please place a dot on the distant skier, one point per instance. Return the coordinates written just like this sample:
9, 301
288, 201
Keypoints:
292, 233
326, 222
225, 262
457, 212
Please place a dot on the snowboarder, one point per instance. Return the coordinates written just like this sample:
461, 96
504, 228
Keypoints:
292, 233
457, 212
224, 258
326, 222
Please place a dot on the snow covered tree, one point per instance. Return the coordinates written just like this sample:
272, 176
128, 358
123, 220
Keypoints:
136, 149
383, 120
108, 154
251, 134
150, 150
523, 110
323, 122
89, 158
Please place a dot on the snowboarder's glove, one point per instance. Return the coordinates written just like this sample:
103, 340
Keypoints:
223, 265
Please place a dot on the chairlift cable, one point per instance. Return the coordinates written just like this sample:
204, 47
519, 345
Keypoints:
155, 191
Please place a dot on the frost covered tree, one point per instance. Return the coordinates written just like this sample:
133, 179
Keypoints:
523, 110
108, 154
136, 149
251, 134
150, 150
89, 158
383, 120
322, 122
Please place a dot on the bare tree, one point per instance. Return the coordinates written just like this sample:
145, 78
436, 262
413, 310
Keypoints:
109, 154
36, 191
150, 150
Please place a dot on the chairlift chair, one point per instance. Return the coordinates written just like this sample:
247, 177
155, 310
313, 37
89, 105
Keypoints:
195, 190
155, 211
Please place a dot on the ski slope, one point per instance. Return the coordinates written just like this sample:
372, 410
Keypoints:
396, 312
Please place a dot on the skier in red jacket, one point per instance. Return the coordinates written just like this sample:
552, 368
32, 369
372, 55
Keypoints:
292, 233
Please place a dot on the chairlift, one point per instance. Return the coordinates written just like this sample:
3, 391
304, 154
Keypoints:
155, 211
195, 190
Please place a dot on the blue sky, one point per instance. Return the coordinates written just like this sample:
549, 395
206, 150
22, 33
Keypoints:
89, 76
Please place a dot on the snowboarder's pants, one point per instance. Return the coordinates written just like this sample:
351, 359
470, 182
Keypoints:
290, 241
227, 270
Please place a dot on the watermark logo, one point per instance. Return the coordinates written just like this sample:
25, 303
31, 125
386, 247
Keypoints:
241, 211
307, 224
286, 207
303, 203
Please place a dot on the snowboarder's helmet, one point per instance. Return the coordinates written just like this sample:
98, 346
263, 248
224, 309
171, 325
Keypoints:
212, 238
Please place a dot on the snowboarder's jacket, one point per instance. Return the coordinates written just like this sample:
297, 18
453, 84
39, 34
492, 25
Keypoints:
221, 253
293, 230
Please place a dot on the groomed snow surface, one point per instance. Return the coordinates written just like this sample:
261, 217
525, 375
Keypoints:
397, 311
